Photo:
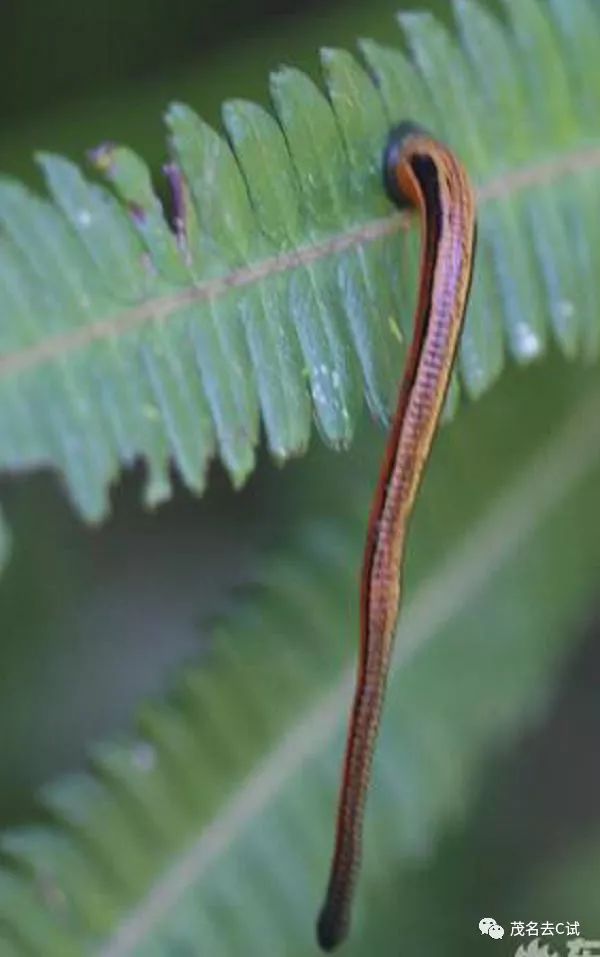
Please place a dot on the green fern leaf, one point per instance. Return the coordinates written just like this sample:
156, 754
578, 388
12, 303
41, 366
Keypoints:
283, 291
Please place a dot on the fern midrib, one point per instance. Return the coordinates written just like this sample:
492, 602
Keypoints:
512, 517
161, 308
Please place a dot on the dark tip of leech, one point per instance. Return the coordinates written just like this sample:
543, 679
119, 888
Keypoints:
330, 931
392, 157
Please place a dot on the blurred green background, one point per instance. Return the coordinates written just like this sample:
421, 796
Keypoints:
94, 621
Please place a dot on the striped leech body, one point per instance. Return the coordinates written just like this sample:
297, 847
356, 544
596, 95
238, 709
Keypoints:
421, 172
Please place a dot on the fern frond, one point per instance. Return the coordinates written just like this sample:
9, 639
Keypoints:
209, 831
284, 289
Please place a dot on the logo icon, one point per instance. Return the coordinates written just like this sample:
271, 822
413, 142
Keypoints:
487, 925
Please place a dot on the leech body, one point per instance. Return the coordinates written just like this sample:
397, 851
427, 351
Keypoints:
422, 172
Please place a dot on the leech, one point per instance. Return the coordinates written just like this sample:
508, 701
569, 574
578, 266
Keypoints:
421, 172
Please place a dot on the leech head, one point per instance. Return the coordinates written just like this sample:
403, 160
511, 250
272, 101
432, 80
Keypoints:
393, 158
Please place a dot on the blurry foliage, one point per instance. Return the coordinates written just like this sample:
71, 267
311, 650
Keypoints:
59, 50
